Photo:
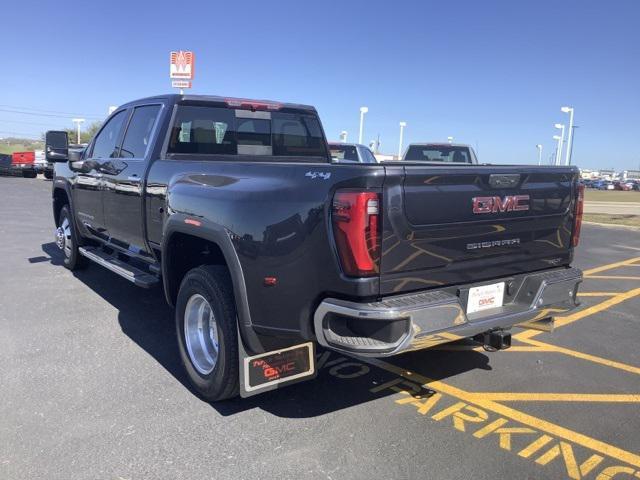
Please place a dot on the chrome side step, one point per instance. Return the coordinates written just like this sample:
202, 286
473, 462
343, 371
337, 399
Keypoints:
110, 262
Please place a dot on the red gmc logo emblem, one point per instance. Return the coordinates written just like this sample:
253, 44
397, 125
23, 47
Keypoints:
510, 203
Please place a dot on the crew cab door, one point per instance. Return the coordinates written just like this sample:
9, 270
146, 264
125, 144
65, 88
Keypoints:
123, 179
88, 184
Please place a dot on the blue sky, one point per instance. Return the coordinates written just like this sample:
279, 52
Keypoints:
493, 74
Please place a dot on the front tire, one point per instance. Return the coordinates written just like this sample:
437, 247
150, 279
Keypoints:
207, 332
67, 241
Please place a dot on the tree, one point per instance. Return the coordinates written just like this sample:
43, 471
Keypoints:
85, 135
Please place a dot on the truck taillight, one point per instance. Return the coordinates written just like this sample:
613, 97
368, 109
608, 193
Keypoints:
577, 217
356, 227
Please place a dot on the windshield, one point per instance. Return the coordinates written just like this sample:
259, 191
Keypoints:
343, 152
438, 153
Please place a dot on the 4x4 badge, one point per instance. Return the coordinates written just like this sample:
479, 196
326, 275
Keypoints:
322, 175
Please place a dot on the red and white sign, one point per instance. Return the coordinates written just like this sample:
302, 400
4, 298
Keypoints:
182, 65
180, 83
485, 297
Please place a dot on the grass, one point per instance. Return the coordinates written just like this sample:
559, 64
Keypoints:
9, 148
591, 195
613, 219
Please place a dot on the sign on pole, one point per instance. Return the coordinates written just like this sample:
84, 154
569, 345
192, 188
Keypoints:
181, 66
180, 83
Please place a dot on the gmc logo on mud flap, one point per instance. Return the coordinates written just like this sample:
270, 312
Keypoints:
510, 203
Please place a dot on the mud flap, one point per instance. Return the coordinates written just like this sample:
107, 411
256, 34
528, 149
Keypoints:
275, 369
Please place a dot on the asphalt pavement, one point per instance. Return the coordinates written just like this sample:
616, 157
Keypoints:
91, 386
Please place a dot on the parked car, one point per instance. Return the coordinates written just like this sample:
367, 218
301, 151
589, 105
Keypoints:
440, 152
5, 164
40, 162
351, 153
624, 186
18, 163
266, 247
605, 185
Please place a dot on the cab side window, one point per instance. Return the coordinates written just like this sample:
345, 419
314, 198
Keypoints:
369, 157
106, 143
203, 130
138, 135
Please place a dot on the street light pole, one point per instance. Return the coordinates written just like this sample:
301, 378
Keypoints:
78, 121
539, 147
569, 110
573, 134
560, 127
363, 110
402, 125
558, 148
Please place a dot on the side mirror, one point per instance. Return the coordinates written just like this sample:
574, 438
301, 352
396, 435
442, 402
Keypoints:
75, 155
56, 146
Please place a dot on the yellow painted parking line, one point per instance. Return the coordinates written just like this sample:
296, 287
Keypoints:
511, 413
561, 321
566, 320
584, 356
612, 277
611, 266
526, 335
513, 348
558, 397
598, 294
599, 307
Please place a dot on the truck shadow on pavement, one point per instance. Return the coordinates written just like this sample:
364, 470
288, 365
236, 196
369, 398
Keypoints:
342, 381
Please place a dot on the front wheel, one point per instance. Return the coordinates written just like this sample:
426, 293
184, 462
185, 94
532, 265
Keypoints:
207, 332
67, 241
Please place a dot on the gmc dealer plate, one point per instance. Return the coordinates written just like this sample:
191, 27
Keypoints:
267, 371
485, 297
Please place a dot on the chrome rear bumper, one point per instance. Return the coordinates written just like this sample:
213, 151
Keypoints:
425, 319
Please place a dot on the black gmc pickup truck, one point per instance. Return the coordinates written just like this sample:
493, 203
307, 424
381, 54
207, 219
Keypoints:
266, 248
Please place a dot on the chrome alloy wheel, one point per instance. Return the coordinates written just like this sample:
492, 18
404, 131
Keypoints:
63, 237
201, 334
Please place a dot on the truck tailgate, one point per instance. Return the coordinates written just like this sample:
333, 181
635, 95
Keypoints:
453, 225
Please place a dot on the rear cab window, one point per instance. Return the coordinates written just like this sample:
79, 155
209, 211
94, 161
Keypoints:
210, 130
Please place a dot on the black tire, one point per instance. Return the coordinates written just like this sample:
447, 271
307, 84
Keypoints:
48, 175
29, 174
72, 258
214, 284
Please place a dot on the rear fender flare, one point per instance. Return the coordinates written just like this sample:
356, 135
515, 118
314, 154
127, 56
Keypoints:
218, 235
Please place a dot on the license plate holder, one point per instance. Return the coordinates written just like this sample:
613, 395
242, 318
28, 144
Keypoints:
485, 297
276, 369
